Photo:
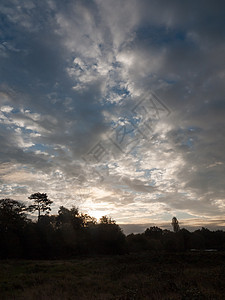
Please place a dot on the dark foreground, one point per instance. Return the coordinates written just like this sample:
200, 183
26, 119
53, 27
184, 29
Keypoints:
199, 275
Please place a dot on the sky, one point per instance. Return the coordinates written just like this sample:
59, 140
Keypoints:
116, 107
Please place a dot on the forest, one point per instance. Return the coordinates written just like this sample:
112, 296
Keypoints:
70, 234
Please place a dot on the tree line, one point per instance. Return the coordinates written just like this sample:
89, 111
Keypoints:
70, 233
64, 235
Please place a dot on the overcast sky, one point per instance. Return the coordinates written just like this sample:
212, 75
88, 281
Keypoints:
116, 107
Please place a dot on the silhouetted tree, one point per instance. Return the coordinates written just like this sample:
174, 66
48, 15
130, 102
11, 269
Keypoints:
71, 233
11, 214
69, 226
107, 237
69, 216
41, 203
12, 223
175, 224
153, 232
87, 220
107, 220
137, 242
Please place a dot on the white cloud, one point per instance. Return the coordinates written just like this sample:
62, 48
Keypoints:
6, 109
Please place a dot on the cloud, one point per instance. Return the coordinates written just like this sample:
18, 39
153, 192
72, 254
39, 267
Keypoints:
74, 70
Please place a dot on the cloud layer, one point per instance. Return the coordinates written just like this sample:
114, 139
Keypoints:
115, 106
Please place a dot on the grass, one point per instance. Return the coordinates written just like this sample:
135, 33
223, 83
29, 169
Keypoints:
136, 276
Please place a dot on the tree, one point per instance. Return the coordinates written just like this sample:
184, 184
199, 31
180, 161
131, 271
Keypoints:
153, 232
87, 220
11, 214
107, 237
175, 224
41, 203
106, 220
69, 216
12, 224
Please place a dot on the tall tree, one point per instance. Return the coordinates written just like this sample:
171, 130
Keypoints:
41, 203
175, 224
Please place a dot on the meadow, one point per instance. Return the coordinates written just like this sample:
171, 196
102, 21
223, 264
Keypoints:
188, 275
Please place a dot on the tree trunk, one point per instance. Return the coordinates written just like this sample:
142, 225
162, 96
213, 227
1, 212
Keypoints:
39, 213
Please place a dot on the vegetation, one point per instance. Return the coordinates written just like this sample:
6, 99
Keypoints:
71, 233
71, 256
142, 276
175, 224
41, 203
65, 235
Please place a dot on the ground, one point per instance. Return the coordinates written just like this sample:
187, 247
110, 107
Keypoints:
135, 276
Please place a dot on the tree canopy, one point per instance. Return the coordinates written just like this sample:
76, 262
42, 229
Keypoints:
41, 203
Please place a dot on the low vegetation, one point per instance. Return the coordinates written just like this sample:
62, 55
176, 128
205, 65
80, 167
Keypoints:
135, 276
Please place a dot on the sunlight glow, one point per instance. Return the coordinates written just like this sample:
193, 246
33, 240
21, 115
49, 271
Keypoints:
97, 214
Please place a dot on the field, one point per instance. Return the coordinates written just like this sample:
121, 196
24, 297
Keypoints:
183, 276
